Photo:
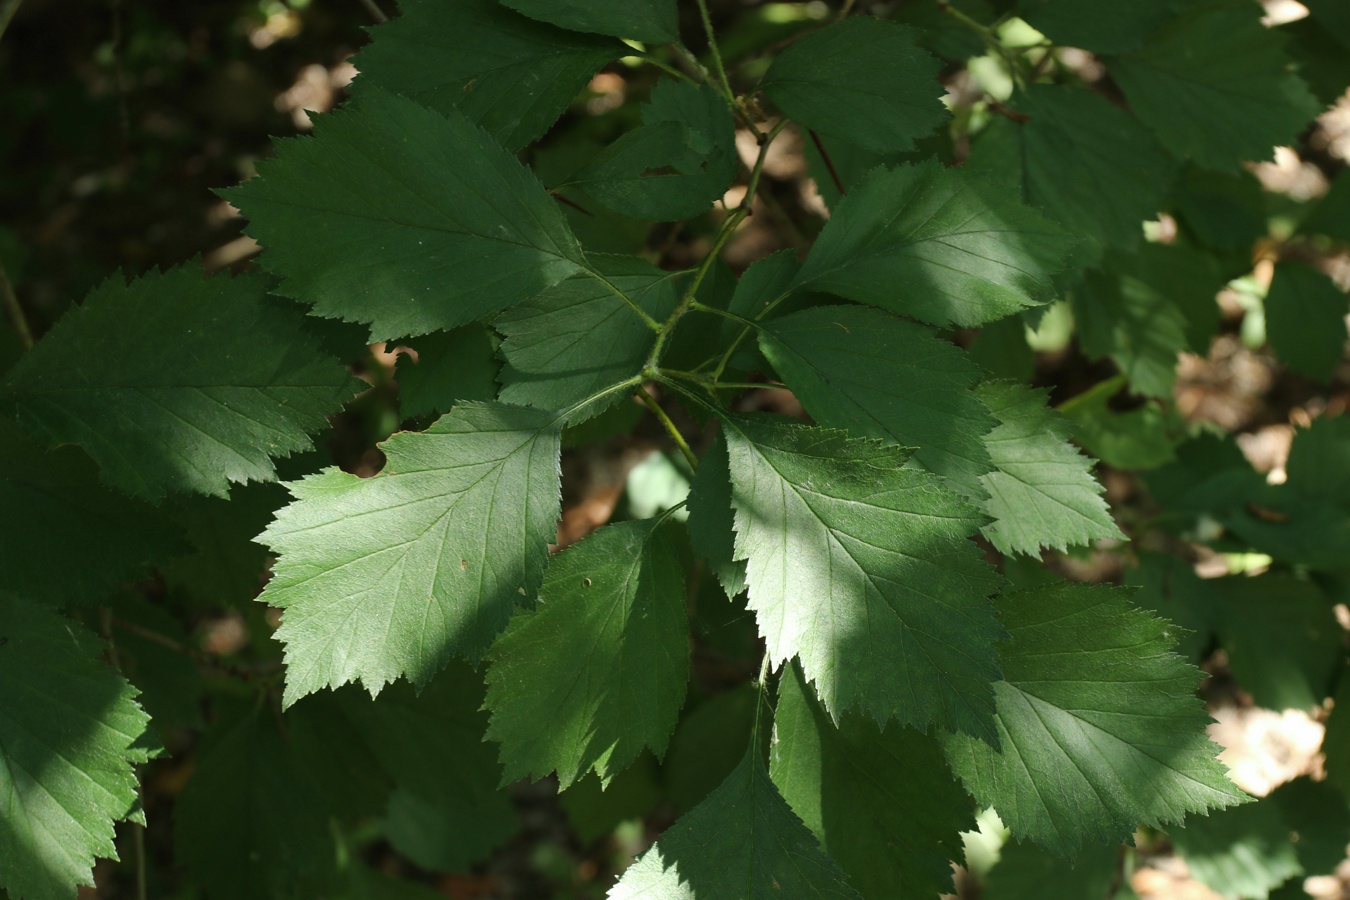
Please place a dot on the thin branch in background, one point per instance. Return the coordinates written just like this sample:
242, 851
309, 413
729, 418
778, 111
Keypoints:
829, 163
375, 12
7, 12
13, 309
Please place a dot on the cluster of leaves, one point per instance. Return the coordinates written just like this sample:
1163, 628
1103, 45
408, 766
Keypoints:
905, 681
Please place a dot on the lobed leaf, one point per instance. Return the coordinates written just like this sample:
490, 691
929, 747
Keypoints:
1041, 490
742, 843
250, 822
598, 671
510, 74
1305, 320
649, 21
1086, 164
862, 79
392, 575
70, 732
1098, 723
1216, 87
675, 165
579, 337
406, 219
944, 246
238, 383
862, 569
878, 376
61, 513
882, 803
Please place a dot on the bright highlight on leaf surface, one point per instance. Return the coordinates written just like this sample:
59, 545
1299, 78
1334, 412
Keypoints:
1041, 491
178, 382
862, 569
580, 336
944, 246
510, 74
68, 739
404, 218
741, 843
1098, 723
598, 671
392, 575
882, 802
861, 79
649, 21
875, 375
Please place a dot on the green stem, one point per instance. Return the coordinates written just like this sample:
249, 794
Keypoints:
703, 307
724, 233
650, 402
662, 65
725, 83
749, 386
375, 12
11, 302
989, 35
745, 332
600, 395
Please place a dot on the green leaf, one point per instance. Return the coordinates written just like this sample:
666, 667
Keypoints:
67, 742
878, 376
1086, 164
1281, 638
1224, 210
941, 245
68, 515
510, 74
1137, 439
579, 337
425, 223
1141, 309
675, 165
1041, 492
863, 570
861, 79
1169, 588
1305, 320
225, 568
1216, 87
1241, 852
392, 575
1102, 26
598, 671
1318, 816
1319, 460
1332, 212
742, 843
709, 743
418, 758
882, 803
1098, 723
649, 21
596, 810
711, 520
237, 384
1028, 872
452, 366
250, 823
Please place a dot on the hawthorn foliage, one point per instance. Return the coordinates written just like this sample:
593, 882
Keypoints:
885, 563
